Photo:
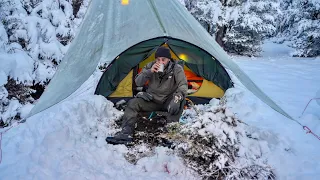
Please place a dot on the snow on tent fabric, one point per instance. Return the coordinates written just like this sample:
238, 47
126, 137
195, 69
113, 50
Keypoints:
110, 29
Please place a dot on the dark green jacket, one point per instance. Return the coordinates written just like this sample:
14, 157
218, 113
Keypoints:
163, 85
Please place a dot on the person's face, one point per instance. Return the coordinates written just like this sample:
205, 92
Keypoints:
162, 60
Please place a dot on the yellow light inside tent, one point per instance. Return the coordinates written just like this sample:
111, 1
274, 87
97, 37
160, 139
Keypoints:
183, 57
124, 2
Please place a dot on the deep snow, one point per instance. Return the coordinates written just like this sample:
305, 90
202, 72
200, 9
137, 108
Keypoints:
67, 140
291, 83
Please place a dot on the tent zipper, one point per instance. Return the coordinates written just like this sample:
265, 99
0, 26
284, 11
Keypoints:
158, 16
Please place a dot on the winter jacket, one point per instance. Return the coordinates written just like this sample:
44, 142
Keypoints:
166, 84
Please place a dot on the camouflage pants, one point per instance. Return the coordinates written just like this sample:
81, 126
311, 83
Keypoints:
137, 105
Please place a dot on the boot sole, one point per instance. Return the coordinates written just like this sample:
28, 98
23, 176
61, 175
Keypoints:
111, 140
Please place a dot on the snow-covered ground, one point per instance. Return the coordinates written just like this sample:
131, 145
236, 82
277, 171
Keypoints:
67, 140
291, 83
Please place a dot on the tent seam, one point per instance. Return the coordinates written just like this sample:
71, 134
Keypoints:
157, 16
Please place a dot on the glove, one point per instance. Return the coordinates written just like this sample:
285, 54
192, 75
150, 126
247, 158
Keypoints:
175, 103
145, 96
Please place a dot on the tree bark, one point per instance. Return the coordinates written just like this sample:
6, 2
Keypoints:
221, 34
76, 4
221, 29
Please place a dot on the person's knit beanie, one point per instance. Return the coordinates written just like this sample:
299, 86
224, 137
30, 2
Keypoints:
163, 52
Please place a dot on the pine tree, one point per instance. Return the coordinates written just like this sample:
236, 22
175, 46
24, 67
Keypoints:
34, 36
239, 26
300, 24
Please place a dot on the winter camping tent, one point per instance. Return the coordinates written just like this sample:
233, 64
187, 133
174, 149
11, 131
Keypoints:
110, 30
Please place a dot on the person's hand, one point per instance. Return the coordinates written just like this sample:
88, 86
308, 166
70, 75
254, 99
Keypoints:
145, 96
155, 67
174, 106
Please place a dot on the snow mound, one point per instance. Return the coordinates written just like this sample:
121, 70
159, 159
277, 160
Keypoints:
222, 146
68, 142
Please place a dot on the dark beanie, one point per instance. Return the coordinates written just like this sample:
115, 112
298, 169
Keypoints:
163, 52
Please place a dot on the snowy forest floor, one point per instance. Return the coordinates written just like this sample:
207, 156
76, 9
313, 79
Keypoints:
67, 141
291, 82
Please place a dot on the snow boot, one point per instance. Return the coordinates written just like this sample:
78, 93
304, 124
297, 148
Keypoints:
123, 137
120, 138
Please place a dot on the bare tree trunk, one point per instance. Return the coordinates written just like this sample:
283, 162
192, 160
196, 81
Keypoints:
220, 35
76, 4
221, 29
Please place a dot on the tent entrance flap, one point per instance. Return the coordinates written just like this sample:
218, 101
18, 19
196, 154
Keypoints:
206, 76
124, 89
118, 69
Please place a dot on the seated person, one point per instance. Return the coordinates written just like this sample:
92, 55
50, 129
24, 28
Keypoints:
166, 91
